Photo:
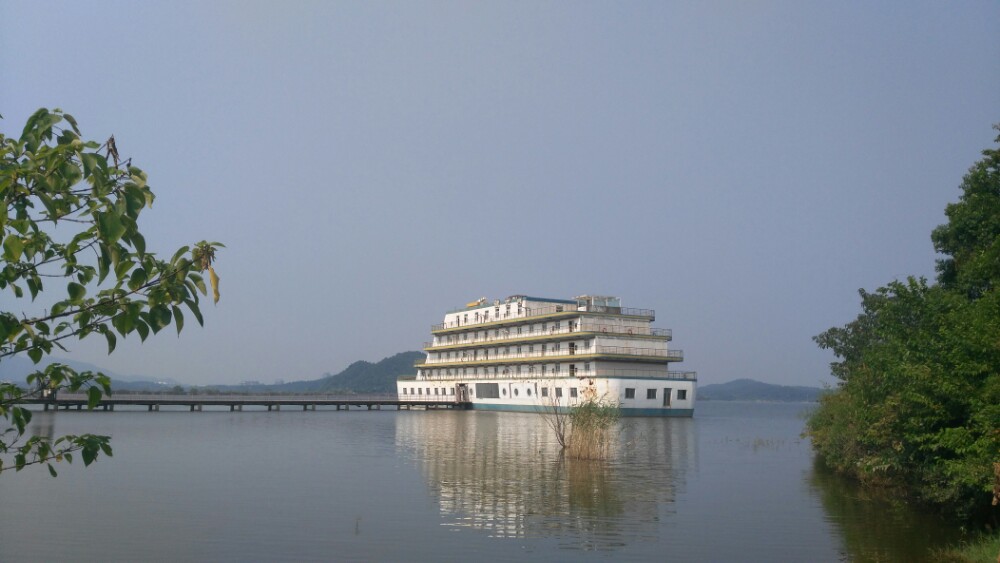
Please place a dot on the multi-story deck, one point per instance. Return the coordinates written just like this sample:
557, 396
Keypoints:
530, 354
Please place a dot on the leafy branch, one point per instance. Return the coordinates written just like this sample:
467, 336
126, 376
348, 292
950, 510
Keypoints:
50, 176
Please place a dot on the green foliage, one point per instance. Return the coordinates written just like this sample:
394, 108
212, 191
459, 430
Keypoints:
71, 233
918, 406
984, 549
971, 238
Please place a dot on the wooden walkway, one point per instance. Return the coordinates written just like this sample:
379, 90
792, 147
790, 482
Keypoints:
153, 402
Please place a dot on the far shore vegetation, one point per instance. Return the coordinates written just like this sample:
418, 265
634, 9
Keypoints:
917, 406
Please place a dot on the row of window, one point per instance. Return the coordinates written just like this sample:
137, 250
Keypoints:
540, 328
484, 316
420, 391
498, 371
543, 349
507, 333
441, 391
651, 393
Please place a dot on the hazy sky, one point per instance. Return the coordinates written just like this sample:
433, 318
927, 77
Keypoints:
741, 167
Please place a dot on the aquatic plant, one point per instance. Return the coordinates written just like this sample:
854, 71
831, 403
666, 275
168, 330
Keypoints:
584, 431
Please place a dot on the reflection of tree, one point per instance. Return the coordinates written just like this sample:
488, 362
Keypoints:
44, 425
876, 525
591, 487
504, 473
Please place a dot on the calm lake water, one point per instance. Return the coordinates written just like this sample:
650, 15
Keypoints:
735, 483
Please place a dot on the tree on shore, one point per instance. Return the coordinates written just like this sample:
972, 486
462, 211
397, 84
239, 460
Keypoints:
74, 264
917, 406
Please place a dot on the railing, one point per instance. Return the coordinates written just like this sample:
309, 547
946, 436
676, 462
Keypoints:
534, 312
308, 402
504, 335
677, 355
622, 373
626, 351
644, 374
124, 397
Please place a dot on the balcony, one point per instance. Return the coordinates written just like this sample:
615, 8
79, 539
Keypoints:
580, 373
672, 355
591, 353
537, 312
506, 335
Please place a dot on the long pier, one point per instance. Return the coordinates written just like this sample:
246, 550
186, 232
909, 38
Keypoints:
153, 402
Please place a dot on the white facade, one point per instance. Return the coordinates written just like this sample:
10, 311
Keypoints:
528, 353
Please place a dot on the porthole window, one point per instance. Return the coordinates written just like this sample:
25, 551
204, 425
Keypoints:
515, 392
527, 392
504, 392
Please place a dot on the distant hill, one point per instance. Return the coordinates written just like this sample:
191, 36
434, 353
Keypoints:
360, 377
16, 368
751, 390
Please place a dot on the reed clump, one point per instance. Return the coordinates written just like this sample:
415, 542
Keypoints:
586, 430
591, 425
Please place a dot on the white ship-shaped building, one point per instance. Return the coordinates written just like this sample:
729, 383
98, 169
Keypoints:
535, 354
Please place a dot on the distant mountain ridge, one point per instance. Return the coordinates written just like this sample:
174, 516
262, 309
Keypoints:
359, 377
752, 390
16, 368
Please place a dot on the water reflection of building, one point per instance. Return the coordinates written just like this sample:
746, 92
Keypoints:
504, 474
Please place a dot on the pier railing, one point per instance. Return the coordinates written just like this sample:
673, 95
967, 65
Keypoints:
153, 401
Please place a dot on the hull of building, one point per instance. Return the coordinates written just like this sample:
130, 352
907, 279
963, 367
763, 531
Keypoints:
634, 396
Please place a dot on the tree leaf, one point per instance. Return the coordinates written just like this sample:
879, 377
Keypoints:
112, 340
109, 224
142, 328
214, 279
93, 397
138, 278
91, 162
178, 319
193, 306
76, 291
13, 246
